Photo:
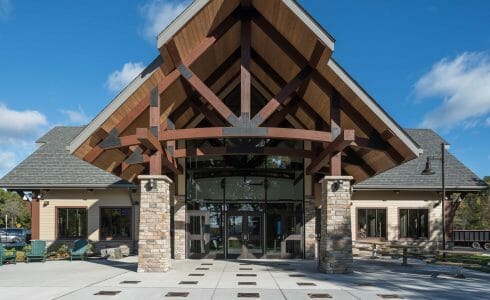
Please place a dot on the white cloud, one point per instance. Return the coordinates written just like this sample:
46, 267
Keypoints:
18, 130
487, 122
18, 125
7, 160
464, 85
6, 9
158, 14
76, 117
119, 79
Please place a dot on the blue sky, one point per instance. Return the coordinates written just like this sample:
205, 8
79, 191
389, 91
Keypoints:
426, 62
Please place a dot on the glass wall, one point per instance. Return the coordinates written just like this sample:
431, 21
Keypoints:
224, 187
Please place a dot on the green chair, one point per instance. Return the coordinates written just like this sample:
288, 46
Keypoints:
79, 250
37, 252
7, 255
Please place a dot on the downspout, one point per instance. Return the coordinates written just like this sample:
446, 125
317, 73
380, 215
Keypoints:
133, 223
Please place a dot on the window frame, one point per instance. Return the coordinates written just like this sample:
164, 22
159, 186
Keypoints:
56, 223
413, 238
104, 238
372, 238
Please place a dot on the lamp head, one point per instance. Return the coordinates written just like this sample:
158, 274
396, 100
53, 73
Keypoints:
428, 170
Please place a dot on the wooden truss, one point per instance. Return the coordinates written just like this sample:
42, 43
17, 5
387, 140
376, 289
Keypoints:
154, 147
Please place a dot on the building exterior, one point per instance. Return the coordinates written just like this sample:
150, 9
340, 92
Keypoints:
241, 140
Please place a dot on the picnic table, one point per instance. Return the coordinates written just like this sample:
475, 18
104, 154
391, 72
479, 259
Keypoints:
375, 244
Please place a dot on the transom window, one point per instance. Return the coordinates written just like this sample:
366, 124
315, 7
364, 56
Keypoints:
371, 223
115, 223
414, 223
72, 223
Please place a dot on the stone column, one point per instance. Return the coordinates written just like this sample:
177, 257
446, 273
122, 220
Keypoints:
310, 226
336, 234
154, 230
179, 227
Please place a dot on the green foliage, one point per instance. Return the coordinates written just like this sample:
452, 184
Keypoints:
13, 205
474, 212
58, 250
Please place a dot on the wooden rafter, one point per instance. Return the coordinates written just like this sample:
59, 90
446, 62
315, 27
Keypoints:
354, 159
345, 139
208, 114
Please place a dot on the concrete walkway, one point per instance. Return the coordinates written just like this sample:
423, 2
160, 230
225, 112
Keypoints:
211, 279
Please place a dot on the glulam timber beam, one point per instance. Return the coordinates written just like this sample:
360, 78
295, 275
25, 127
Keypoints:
231, 132
245, 63
335, 127
137, 157
208, 94
169, 65
361, 122
279, 81
148, 140
165, 83
279, 99
114, 141
343, 140
286, 113
301, 61
230, 151
207, 113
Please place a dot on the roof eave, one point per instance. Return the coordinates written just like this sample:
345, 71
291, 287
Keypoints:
99, 120
418, 188
375, 107
67, 186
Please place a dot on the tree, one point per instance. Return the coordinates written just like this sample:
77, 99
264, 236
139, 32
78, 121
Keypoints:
474, 211
12, 205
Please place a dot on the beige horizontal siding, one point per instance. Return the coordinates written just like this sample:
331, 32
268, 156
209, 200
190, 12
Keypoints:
92, 200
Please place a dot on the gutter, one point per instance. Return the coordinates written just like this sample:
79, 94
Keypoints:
419, 188
68, 186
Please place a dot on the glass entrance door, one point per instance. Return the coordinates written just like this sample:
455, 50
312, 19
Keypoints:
284, 232
198, 235
244, 235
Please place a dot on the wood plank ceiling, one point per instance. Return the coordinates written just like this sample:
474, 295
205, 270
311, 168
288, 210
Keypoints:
256, 47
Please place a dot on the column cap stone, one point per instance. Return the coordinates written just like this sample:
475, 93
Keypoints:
157, 177
338, 178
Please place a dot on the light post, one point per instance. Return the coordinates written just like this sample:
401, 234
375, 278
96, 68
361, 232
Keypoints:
428, 171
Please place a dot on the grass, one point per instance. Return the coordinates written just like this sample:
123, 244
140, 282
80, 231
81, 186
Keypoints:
473, 262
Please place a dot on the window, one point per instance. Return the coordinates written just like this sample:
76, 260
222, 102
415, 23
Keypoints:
414, 223
371, 223
115, 223
72, 223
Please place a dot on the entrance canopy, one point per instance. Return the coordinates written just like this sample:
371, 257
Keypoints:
244, 70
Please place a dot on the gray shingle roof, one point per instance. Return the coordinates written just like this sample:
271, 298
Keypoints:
52, 165
409, 175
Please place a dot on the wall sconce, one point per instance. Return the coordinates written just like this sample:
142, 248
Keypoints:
337, 185
152, 184
45, 203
